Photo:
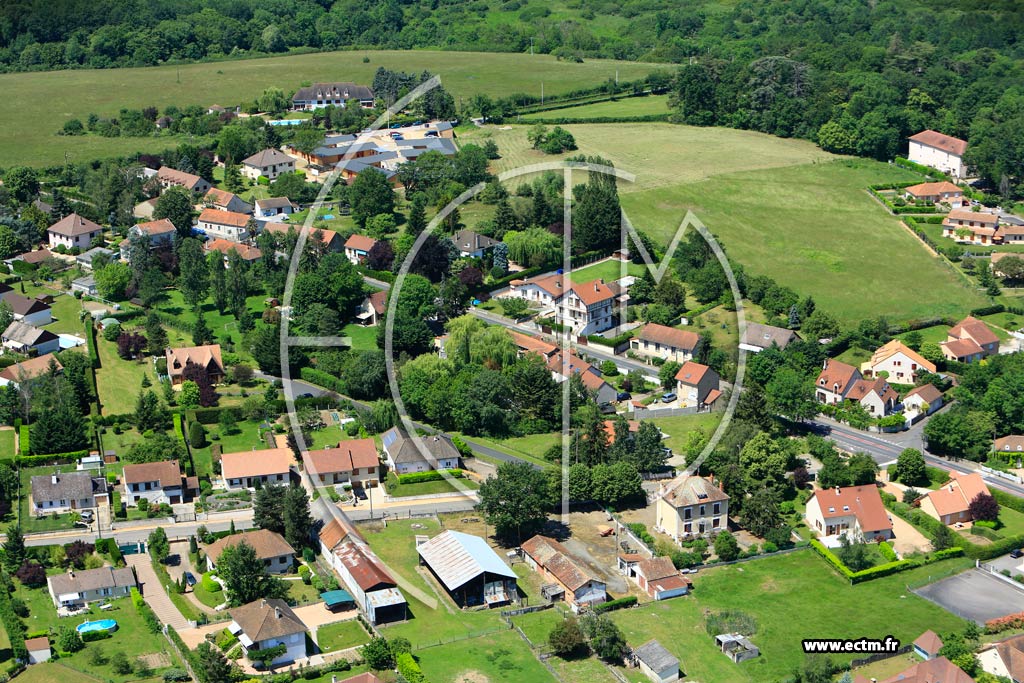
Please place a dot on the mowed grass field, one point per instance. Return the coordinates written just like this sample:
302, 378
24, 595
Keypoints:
780, 207
791, 597
629, 106
36, 105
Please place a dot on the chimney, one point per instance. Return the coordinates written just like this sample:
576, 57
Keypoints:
71, 572
53, 478
837, 490
263, 602
277, 612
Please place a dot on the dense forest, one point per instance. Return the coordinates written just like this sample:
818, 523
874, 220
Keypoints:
856, 76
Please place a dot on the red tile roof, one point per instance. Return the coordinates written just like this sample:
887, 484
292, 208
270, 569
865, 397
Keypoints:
692, 373
896, 347
556, 559
593, 292
256, 463
166, 473
669, 336
937, 140
928, 393
27, 369
529, 344
974, 329
360, 243
1013, 442
366, 569
248, 253
232, 218
955, 496
349, 455
933, 189
929, 642
160, 227
969, 215
938, 670
861, 501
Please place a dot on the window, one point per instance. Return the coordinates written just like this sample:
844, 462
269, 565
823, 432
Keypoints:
717, 523
687, 513
687, 528
717, 508
702, 510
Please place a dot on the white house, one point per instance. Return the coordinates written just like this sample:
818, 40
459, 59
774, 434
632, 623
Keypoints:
352, 461
362, 572
270, 467
84, 260
73, 231
78, 588
269, 163
223, 200
63, 492
472, 244
357, 247
266, 624
690, 506
24, 338
403, 455
670, 343
86, 285
160, 234
320, 95
26, 310
275, 206
171, 177
835, 381
657, 663
942, 152
227, 225
971, 227
660, 579
854, 511
697, 385
900, 363
758, 337
270, 547
157, 482
925, 399
877, 397
944, 192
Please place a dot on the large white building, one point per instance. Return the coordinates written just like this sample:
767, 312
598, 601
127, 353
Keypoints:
942, 152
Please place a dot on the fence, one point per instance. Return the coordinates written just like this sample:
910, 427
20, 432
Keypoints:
469, 635
879, 656
641, 413
525, 610
1004, 475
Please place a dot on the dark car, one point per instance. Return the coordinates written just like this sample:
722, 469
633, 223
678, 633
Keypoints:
669, 397
305, 395
1016, 553
623, 396
190, 578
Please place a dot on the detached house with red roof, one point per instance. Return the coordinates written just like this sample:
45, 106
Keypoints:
697, 385
73, 231
670, 343
222, 200
352, 461
357, 247
899, 362
158, 482
949, 504
877, 397
944, 192
969, 340
171, 177
1014, 443
585, 308
660, 579
207, 356
573, 581
228, 225
942, 152
856, 511
922, 400
937, 670
971, 227
834, 381
160, 234
242, 470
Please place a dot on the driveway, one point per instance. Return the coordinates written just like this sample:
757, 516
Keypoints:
907, 539
154, 593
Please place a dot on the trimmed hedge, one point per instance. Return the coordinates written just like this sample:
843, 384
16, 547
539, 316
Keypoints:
323, 379
521, 275
429, 475
610, 341
881, 570
887, 552
409, 669
23, 441
611, 605
1000, 624
920, 168
50, 458
15, 627
564, 120
90, 342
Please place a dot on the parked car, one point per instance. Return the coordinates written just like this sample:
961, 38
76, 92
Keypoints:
669, 397
1016, 553
623, 396
190, 578
607, 408
305, 395
86, 516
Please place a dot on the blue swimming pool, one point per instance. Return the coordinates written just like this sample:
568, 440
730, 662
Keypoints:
287, 122
101, 625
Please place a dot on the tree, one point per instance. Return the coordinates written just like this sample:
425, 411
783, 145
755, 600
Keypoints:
297, 518
764, 459
944, 538
605, 637
194, 274
188, 396
417, 221
156, 336
244, 575
378, 654
176, 205
983, 507
761, 513
211, 665
14, 549
790, 394
853, 553
69, 640
268, 510
371, 195
22, 183
566, 638
218, 280
910, 468
196, 434
201, 332
726, 547
514, 502
159, 545
667, 373
112, 280
32, 574
148, 413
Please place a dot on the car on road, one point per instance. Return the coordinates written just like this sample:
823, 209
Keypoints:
190, 578
1016, 553
669, 397
623, 396
305, 395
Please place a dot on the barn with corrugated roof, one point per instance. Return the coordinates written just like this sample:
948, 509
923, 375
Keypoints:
471, 572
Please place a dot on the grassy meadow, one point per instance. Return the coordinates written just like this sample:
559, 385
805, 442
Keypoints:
629, 106
37, 104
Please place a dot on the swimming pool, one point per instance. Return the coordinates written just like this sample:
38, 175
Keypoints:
287, 122
336, 417
101, 625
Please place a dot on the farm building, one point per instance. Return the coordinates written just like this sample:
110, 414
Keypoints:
471, 572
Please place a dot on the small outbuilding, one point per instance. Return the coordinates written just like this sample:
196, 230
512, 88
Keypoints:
338, 600
471, 572
657, 663
927, 645
38, 650
737, 646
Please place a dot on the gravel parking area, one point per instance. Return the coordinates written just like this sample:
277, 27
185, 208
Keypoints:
975, 595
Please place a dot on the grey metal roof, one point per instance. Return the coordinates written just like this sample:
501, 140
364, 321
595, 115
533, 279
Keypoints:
655, 656
458, 558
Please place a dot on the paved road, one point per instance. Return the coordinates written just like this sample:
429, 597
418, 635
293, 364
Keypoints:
154, 593
134, 535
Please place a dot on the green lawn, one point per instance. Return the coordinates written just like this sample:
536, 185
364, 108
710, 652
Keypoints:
38, 104
530, 448
935, 334
119, 381
246, 438
210, 599
427, 487
327, 437
791, 597
341, 635
608, 270
537, 625
628, 106
224, 327
363, 338
302, 594
679, 426
1012, 522
501, 656
6, 443
854, 356
65, 310
1007, 321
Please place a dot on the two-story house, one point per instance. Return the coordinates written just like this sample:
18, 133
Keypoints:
899, 362
78, 588
670, 343
171, 177
73, 231
320, 95
271, 549
969, 340
854, 511
222, 200
951, 502
690, 506
207, 356
158, 482
877, 397
228, 225
971, 227
357, 247
269, 163
576, 583
160, 233
268, 623
270, 467
834, 381
403, 454
62, 492
587, 308
942, 152
697, 385
922, 400
275, 206
353, 461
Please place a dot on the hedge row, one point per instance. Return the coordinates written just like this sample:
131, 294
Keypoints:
15, 627
887, 552
384, 275
976, 552
172, 321
611, 605
429, 475
1007, 500
610, 341
1000, 624
321, 378
997, 308
409, 669
23, 441
90, 342
521, 275
50, 458
565, 120
881, 570
920, 168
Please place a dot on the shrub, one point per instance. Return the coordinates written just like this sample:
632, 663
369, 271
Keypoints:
887, 552
176, 676
137, 599
409, 669
69, 640
429, 475
611, 605
209, 585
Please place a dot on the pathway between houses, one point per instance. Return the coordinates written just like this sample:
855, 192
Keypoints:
156, 594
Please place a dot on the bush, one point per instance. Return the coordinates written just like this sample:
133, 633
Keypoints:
611, 605
304, 574
409, 669
887, 552
137, 599
176, 676
69, 640
429, 475
209, 585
